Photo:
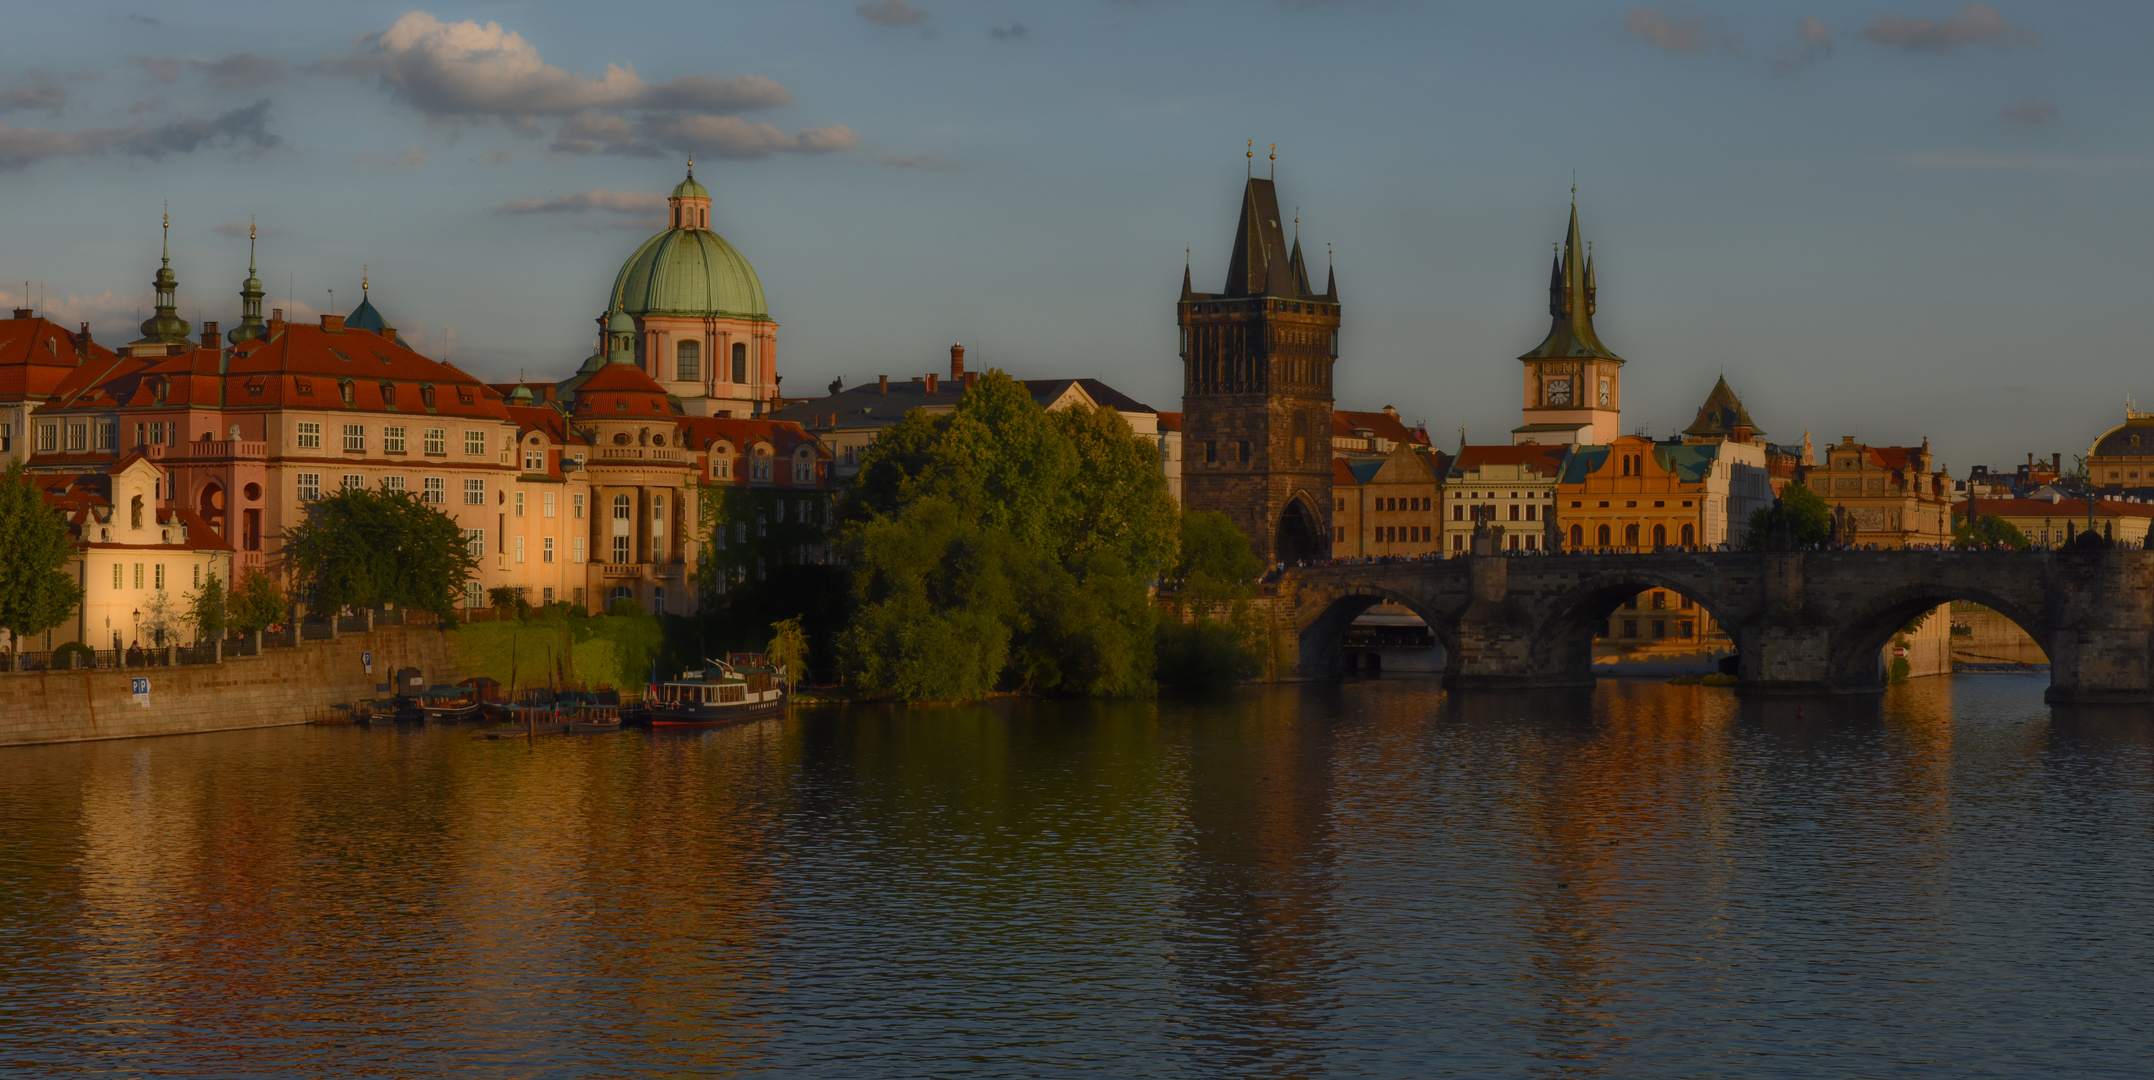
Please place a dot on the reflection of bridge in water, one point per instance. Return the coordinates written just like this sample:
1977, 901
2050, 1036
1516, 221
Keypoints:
1802, 621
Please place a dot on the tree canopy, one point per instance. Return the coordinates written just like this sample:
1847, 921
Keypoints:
35, 594
1001, 544
1809, 519
254, 602
1989, 530
360, 548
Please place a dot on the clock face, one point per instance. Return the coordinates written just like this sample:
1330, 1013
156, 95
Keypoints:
1559, 391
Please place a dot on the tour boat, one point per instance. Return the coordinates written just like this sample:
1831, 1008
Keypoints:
739, 688
448, 704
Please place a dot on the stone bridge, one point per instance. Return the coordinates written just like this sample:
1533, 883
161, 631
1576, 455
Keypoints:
1803, 622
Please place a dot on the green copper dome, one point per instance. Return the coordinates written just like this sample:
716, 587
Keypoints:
689, 189
691, 272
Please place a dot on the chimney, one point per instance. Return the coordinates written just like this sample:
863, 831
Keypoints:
883, 382
930, 382
26, 313
957, 363
2056, 464
82, 344
209, 335
333, 324
1391, 412
276, 321
388, 334
970, 378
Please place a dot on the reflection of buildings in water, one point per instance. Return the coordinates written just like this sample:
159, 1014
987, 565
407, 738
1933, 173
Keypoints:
1661, 626
1256, 870
1390, 637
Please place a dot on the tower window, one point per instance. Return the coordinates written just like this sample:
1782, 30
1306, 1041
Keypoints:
740, 361
688, 361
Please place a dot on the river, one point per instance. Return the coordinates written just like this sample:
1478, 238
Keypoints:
1364, 879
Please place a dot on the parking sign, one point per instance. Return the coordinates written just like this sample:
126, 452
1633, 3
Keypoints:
142, 689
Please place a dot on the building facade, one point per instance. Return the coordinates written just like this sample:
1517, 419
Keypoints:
1889, 496
1257, 361
1389, 505
1638, 495
1512, 488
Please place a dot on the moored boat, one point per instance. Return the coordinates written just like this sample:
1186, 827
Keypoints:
448, 704
740, 688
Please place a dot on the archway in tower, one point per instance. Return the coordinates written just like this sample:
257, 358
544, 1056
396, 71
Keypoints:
1300, 536
211, 507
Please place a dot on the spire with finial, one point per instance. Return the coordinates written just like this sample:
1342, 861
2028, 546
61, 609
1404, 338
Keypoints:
1275, 161
1571, 301
1249, 153
250, 298
689, 207
165, 327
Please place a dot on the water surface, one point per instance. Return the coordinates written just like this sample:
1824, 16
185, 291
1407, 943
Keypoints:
1368, 879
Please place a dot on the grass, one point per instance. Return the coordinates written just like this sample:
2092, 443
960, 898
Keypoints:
595, 652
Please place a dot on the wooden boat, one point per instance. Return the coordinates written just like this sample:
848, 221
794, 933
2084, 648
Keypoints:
740, 688
448, 704
595, 720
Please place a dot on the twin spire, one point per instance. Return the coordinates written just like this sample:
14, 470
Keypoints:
1571, 302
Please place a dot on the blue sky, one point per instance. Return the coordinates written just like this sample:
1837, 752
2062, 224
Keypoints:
1892, 220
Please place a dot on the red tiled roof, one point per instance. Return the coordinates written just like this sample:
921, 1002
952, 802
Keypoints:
1383, 424
784, 436
1547, 458
622, 389
1342, 475
1170, 421
35, 355
542, 419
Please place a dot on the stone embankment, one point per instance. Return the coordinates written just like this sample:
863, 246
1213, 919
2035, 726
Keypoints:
281, 686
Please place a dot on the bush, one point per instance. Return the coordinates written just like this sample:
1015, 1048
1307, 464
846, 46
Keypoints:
1204, 655
61, 656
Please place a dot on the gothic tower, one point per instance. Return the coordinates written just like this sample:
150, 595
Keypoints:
1573, 383
1256, 389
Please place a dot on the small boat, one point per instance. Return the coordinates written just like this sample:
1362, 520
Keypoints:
448, 704
595, 720
337, 715
740, 688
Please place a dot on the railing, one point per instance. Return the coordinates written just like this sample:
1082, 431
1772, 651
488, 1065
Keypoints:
250, 560
641, 453
621, 570
210, 450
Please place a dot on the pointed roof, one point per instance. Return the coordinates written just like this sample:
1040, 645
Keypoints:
1570, 305
1721, 414
1262, 263
367, 317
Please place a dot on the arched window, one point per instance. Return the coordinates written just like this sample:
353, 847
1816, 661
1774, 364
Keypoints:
760, 466
1690, 536
620, 592
721, 462
658, 600
804, 466
688, 361
134, 513
351, 396
1578, 537
1604, 536
621, 509
1630, 536
1660, 536
740, 361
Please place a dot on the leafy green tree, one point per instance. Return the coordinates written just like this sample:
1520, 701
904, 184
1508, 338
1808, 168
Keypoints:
254, 602
1987, 531
1195, 647
1116, 502
362, 548
934, 613
788, 649
35, 594
1216, 556
207, 608
1809, 519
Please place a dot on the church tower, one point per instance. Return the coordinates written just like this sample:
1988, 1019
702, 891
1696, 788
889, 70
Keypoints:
1573, 383
1256, 389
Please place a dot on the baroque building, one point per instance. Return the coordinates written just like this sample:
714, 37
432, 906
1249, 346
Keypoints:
1257, 362
1573, 383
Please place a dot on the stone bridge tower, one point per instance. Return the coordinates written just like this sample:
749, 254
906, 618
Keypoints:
1256, 388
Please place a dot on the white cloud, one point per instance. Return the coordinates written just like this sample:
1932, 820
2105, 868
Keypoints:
1812, 43
1973, 23
892, 13
246, 127
1675, 28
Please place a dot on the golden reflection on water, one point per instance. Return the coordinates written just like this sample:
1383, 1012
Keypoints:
1369, 878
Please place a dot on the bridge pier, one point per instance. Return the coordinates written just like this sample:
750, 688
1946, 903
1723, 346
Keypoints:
1499, 644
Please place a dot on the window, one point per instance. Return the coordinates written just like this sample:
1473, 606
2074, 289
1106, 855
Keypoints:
1578, 536
575, 549
620, 549
474, 442
48, 437
688, 361
310, 486
7, 438
519, 504
310, 435
1604, 540
436, 440
108, 434
1660, 628
388, 394
393, 483
305, 388
1630, 628
519, 544
474, 594
346, 391
117, 569
434, 491
475, 545
576, 503
474, 492
392, 440
548, 503
740, 361
138, 575
354, 481
546, 594
1630, 536
160, 577
1685, 628
534, 459
1690, 535
355, 438
722, 461
761, 464
546, 549
620, 508
78, 436
198, 575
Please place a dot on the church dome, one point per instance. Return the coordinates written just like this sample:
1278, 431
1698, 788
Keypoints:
691, 272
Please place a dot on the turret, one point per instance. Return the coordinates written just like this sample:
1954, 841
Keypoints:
165, 327
689, 207
250, 300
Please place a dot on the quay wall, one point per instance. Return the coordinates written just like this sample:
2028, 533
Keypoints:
281, 686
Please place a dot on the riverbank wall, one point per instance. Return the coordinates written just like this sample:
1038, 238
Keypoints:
281, 686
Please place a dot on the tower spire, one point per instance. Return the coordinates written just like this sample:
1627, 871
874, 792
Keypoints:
250, 298
165, 327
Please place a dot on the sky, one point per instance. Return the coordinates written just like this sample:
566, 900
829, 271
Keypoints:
1896, 220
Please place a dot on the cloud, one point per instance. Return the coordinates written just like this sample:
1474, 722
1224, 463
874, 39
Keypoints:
917, 161
2032, 111
237, 230
146, 105
494, 157
1013, 32
39, 93
240, 71
1676, 29
619, 202
892, 13
1812, 43
162, 69
706, 93
248, 127
702, 133
411, 155
1972, 23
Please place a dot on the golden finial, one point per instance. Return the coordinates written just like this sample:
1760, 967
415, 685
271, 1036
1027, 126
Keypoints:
1250, 153
250, 226
1275, 161
362, 279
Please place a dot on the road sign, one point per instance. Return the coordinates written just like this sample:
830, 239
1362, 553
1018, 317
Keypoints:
1899, 652
141, 689
367, 658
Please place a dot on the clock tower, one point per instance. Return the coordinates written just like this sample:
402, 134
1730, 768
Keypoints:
1573, 383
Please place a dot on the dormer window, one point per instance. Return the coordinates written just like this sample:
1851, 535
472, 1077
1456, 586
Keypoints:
388, 394
463, 394
305, 388
426, 394
349, 392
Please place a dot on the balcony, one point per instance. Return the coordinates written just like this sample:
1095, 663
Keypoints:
210, 450
620, 570
640, 453
248, 560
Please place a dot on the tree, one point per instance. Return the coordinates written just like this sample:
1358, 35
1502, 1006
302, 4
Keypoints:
1987, 531
1195, 648
1809, 519
207, 608
254, 602
360, 548
935, 610
35, 594
1216, 556
788, 649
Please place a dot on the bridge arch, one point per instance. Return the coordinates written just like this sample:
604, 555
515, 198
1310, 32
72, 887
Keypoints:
1573, 617
1861, 635
1335, 609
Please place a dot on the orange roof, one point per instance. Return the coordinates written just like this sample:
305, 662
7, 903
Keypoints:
1342, 474
1547, 459
35, 355
542, 419
784, 436
1170, 421
1384, 425
2067, 508
616, 389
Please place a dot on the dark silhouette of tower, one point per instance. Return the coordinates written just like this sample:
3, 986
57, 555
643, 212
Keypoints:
1256, 389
